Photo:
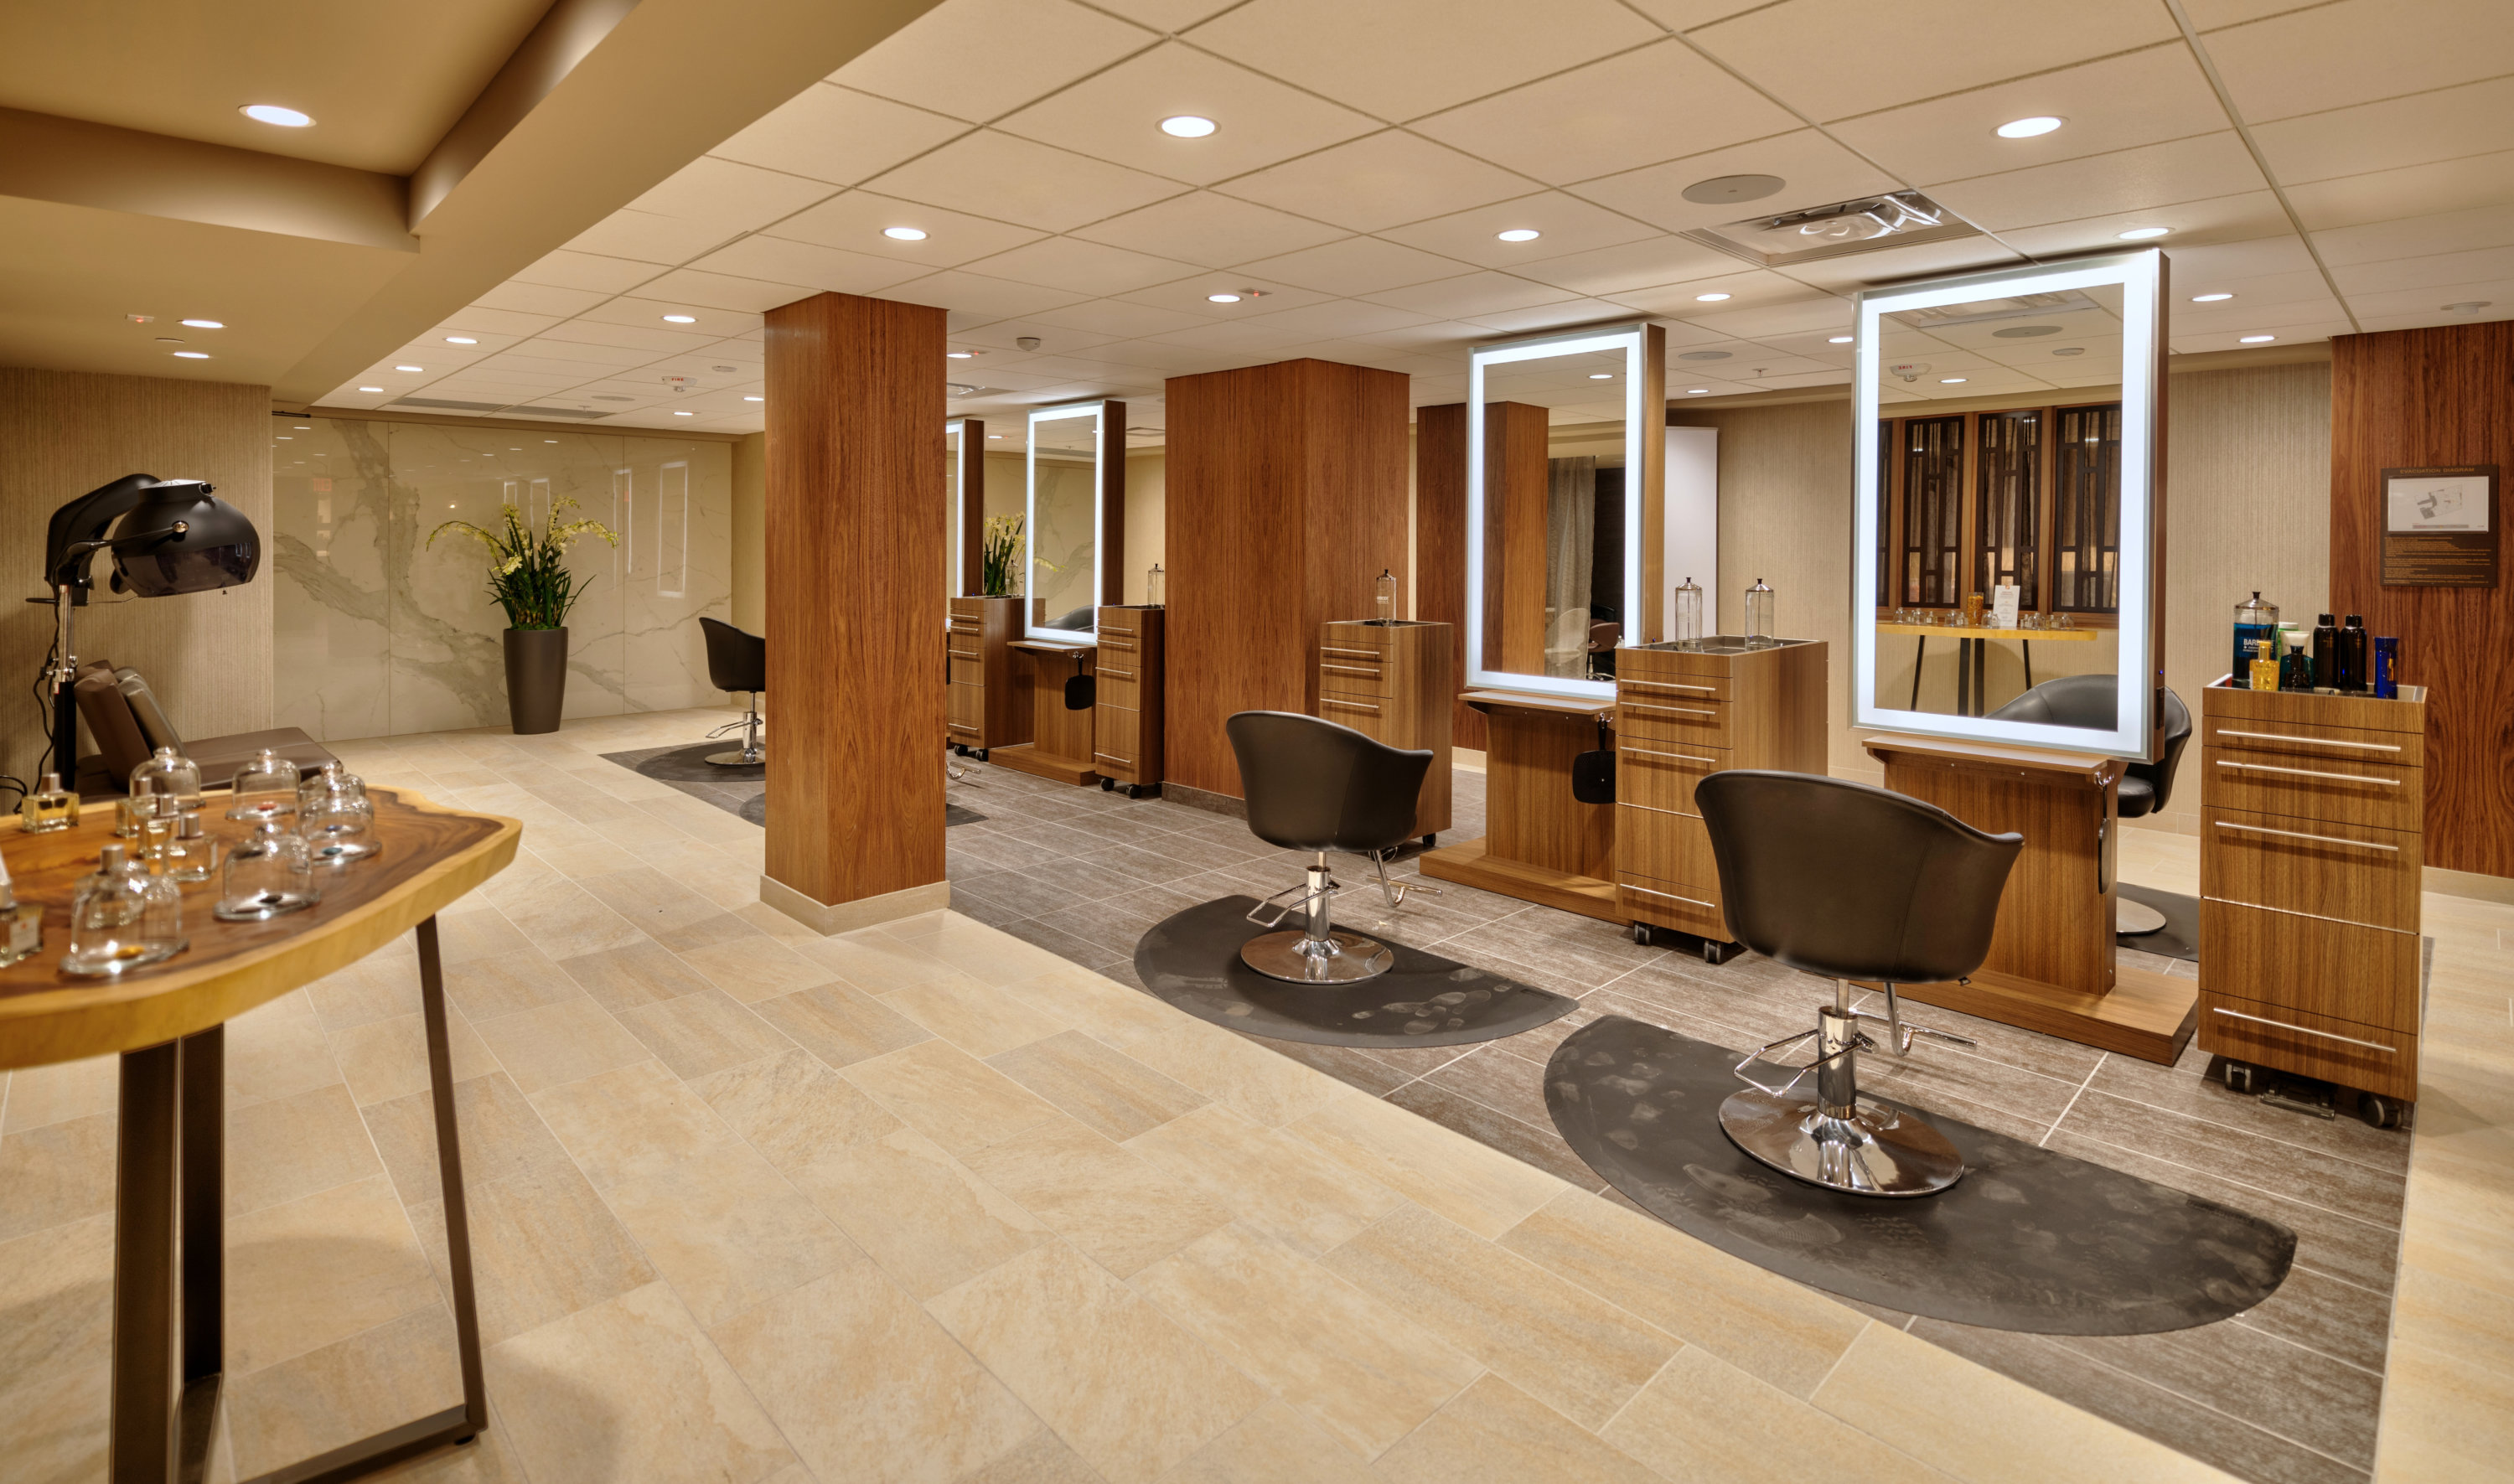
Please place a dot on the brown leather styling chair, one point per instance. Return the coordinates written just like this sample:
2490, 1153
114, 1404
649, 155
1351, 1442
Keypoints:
126, 723
2089, 700
1850, 882
1315, 785
738, 661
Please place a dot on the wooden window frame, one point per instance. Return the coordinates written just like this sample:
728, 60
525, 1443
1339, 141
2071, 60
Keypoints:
1968, 531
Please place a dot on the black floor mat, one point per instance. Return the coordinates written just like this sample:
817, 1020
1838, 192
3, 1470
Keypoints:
736, 790
2179, 938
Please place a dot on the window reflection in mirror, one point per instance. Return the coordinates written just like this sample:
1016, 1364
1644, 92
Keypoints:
1062, 535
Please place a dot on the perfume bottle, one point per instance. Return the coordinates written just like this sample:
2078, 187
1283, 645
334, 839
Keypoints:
268, 873
2254, 619
21, 924
50, 806
1688, 616
1155, 581
2326, 654
1758, 614
2296, 670
134, 809
1385, 593
122, 918
2350, 670
2263, 666
2387, 667
195, 850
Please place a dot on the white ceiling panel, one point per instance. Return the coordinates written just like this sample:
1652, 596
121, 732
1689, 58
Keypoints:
1159, 360
1857, 270
2417, 190
979, 59
2432, 270
1569, 224
649, 238
987, 173
1685, 14
719, 290
1654, 261
1828, 315
1470, 295
484, 341
1216, 231
2119, 102
1626, 111
2418, 130
647, 313
1117, 115
2500, 311
2358, 51
1554, 317
2197, 169
1402, 59
1340, 317
2252, 316
1818, 171
650, 337
778, 261
1083, 267
2412, 237
1243, 339
2227, 219
1835, 58
1116, 318
2200, 267
2212, 14
1357, 265
556, 354
733, 197
982, 299
1169, 17
528, 365
2430, 299
858, 220
1751, 288
548, 302
2254, 294
1001, 339
2303, 333
1379, 182
584, 271
1189, 295
480, 319
837, 135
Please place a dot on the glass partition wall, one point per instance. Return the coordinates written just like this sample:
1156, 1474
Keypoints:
1075, 524
2007, 452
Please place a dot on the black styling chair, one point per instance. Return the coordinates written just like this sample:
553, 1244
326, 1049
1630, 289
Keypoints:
738, 661
2091, 701
1317, 786
1850, 882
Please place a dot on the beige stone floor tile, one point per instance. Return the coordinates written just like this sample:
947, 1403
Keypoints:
1344, 1357
585, 861
1094, 1082
1755, 1320
981, 952
1976, 1424
58, 1425
717, 928
620, 979
1272, 1182
792, 1107
774, 923
55, 1302
1274, 1445
1095, 1004
559, 1043
632, 1122
979, 1020
1495, 1433
488, 1459
2469, 1252
951, 1096
840, 1023
543, 1245
1121, 1212
1472, 1185
562, 920
867, 1385
1562, 1344
43, 1094
488, 987
2443, 1419
482, 932
728, 1232
350, 1388
294, 1147
498, 1132
873, 961
55, 1173
630, 1391
1269, 1087
652, 901
757, 968
1704, 1421
1120, 1383
700, 1033
303, 1275
387, 1058
277, 1049
375, 987
2453, 1318
1043, 1460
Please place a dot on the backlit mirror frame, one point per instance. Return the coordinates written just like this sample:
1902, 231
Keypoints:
1108, 512
2142, 279
1644, 381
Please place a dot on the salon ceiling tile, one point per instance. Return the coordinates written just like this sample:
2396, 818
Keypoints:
1874, 57
649, 238
1853, 271
2296, 286
548, 302
1189, 295
2444, 232
528, 362
2501, 310
779, 261
1169, 17
1817, 171
646, 311
1343, 317
1685, 14
652, 338
1559, 315
1470, 293
2198, 169
2226, 219
1620, 113
837, 135
585, 271
2429, 300
2430, 271
1380, 180
1015, 180
1157, 356
977, 300
719, 290
2358, 51
1119, 318
857, 220
1567, 223
1358, 265
1746, 290
1402, 59
978, 60
1747, 361
1828, 315
2418, 190
2263, 316
1002, 338
2040, 358
2196, 265
1116, 114
731, 196
1214, 230
1660, 258
2119, 102
557, 355
1239, 339
2212, 14
2429, 126
2305, 332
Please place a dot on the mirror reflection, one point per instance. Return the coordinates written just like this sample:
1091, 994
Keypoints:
955, 520
1556, 510
1062, 547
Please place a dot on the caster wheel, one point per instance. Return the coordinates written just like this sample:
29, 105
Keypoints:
1108, 785
2238, 1076
1430, 840
980, 754
1709, 951
1139, 790
2378, 1112
1641, 934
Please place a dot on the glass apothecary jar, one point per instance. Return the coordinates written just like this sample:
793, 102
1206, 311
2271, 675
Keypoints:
334, 817
171, 776
1689, 614
270, 872
2255, 621
1156, 582
1758, 614
266, 788
122, 918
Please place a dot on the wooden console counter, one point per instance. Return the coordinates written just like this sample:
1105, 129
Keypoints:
1063, 736
1540, 844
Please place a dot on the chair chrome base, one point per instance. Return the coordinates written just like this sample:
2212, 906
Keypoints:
748, 758
1339, 958
754, 750
1875, 1151
2131, 920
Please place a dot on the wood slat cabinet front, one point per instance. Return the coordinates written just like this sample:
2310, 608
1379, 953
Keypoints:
1128, 714
1394, 683
987, 702
1682, 715
2311, 847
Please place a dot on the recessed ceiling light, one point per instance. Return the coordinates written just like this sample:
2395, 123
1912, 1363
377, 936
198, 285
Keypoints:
370, 388
2027, 128
1601, 376
1188, 126
754, 399
192, 355
409, 368
1709, 299
1222, 299
995, 437
1697, 391
680, 319
461, 340
2144, 233
1951, 381
550, 440
1519, 234
2255, 339
2210, 299
1839, 340
904, 233
206, 324
678, 414
284, 438
272, 113
956, 355
170, 340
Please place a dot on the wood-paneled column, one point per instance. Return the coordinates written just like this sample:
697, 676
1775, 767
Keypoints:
1285, 499
856, 530
1441, 547
1518, 471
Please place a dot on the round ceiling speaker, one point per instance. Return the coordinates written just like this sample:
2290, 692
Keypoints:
1726, 191
2025, 332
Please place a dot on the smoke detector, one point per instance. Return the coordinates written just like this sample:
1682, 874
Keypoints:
1910, 371
1028, 342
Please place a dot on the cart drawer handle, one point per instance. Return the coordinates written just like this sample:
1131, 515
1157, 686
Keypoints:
1350, 670
1643, 705
955, 726
2259, 1020
2310, 742
1110, 757
1116, 674
1350, 654
1670, 896
1349, 706
2291, 834
2342, 777
1670, 685
1681, 756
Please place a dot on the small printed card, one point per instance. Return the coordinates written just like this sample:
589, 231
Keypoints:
2003, 608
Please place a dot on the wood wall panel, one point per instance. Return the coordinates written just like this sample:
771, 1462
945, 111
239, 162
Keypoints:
1285, 497
1440, 546
1517, 461
856, 530
2410, 398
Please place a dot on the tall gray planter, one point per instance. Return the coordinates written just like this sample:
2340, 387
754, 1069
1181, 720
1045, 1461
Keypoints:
536, 678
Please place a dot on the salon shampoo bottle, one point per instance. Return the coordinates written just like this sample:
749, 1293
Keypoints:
2326, 654
2351, 667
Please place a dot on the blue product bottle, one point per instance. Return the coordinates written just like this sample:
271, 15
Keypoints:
2387, 668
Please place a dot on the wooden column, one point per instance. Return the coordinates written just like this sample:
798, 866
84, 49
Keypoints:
1285, 497
856, 529
1441, 547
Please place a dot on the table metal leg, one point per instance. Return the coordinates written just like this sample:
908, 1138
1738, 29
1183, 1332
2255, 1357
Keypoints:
1919, 654
201, 1290
2027, 645
144, 1435
1963, 677
1981, 691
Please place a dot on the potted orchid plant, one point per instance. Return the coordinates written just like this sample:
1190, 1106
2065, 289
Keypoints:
528, 578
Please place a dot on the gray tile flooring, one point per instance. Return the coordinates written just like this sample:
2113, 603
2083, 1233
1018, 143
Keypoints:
2285, 1393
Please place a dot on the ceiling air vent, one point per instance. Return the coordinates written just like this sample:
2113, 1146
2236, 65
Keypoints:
1866, 224
439, 404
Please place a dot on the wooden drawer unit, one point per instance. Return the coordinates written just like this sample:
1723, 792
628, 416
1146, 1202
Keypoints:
2346, 969
2373, 1058
1674, 688
2345, 872
1353, 669
1118, 742
1677, 905
2338, 790
964, 714
1362, 713
1394, 683
1702, 722
1661, 775
987, 696
1129, 711
1666, 847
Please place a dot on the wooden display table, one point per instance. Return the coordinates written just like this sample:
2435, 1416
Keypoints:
2051, 964
1062, 747
1970, 642
168, 1024
1540, 844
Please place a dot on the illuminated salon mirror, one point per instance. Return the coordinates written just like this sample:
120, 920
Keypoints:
1076, 523
1566, 462
2009, 450
964, 492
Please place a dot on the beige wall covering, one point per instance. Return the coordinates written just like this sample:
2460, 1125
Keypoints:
1147, 516
64, 433
751, 534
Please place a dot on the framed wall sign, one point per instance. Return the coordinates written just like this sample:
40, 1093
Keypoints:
2440, 527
